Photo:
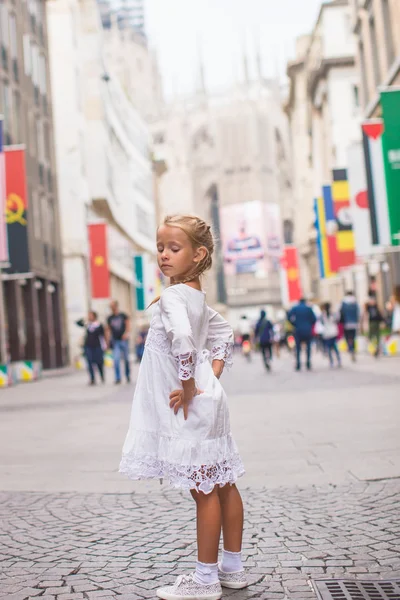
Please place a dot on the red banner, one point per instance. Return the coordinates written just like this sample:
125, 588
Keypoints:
17, 209
291, 265
100, 275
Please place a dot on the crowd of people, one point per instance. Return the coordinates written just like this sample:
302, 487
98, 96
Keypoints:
115, 336
322, 325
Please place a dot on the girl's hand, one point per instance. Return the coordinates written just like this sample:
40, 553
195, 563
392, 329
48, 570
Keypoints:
218, 367
182, 398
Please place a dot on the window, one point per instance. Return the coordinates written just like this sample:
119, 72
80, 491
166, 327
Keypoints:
44, 219
40, 141
4, 25
35, 64
13, 37
387, 24
51, 218
17, 125
374, 48
364, 84
356, 96
6, 108
27, 55
35, 204
288, 230
32, 144
47, 142
42, 74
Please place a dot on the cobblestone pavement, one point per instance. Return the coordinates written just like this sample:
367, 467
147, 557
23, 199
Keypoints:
322, 490
76, 546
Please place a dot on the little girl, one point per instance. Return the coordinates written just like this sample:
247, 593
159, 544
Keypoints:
179, 427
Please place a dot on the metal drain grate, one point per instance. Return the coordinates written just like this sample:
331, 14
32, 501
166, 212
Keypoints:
347, 589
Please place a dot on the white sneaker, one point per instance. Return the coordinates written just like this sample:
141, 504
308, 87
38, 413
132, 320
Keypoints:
234, 581
186, 588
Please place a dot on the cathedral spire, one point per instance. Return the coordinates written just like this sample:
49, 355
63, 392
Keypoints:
202, 79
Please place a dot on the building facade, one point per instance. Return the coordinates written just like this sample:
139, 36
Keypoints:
377, 28
33, 288
325, 119
228, 160
105, 169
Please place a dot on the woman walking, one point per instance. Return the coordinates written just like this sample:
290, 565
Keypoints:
374, 318
94, 346
330, 333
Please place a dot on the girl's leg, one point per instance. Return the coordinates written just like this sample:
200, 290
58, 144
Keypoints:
232, 517
208, 525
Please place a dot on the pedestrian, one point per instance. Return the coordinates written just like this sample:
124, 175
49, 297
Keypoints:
94, 345
331, 332
245, 328
264, 335
140, 344
318, 329
179, 428
374, 318
349, 317
119, 327
278, 338
395, 324
303, 319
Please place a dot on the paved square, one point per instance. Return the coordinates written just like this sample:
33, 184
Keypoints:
322, 490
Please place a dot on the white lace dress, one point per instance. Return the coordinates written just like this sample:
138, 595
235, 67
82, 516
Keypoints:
184, 336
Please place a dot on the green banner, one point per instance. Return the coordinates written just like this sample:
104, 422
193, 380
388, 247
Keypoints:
138, 266
390, 101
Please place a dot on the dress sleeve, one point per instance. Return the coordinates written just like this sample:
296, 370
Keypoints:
175, 318
220, 338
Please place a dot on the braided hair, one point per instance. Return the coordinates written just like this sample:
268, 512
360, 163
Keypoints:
200, 235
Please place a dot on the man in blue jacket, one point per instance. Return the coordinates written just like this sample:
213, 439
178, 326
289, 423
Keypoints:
303, 319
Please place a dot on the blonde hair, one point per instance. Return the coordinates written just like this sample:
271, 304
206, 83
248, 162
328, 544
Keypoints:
200, 235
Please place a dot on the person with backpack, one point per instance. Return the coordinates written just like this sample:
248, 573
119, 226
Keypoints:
264, 334
374, 318
330, 333
349, 317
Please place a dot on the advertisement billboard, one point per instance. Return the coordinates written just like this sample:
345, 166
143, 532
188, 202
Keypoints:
251, 238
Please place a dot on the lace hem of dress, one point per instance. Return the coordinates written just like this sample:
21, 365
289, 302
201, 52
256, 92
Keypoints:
223, 351
188, 477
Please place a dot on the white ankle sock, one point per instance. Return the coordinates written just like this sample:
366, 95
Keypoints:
231, 562
206, 573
